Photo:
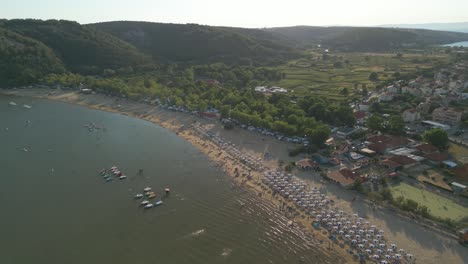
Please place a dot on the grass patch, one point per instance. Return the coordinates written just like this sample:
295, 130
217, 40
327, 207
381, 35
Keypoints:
438, 206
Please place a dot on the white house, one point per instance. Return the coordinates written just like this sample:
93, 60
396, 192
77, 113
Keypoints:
392, 89
385, 97
364, 107
411, 115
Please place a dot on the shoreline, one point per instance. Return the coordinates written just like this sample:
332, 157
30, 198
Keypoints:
408, 233
185, 127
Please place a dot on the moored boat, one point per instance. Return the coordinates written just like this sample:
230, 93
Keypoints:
12, 103
151, 195
145, 202
147, 189
158, 203
149, 206
138, 196
122, 177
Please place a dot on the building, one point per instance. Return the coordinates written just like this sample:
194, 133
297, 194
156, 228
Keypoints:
364, 107
425, 148
344, 176
385, 97
307, 164
270, 89
411, 115
384, 143
345, 132
436, 158
360, 116
404, 161
433, 124
446, 115
463, 235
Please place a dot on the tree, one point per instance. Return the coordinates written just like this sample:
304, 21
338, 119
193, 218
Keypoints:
396, 125
373, 76
437, 137
344, 91
319, 135
374, 122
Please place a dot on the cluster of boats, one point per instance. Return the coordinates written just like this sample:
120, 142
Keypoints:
147, 195
112, 173
350, 228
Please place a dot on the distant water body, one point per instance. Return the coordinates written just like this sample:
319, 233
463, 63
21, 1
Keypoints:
55, 208
457, 44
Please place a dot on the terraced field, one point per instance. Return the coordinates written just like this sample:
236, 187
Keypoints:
312, 75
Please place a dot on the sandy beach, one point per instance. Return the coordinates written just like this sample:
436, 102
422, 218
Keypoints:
192, 128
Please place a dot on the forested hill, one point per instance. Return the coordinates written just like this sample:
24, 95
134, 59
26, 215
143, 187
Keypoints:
81, 48
23, 60
201, 44
367, 38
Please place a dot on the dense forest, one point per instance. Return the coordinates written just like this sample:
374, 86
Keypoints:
81, 48
201, 44
24, 60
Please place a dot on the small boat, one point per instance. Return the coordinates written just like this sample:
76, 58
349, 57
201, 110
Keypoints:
122, 177
12, 103
113, 168
147, 189
139, 196
108, 179
158, 203
145, 202
167, 190
148, 206
152, 195
27, 106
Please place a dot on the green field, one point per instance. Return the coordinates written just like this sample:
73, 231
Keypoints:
438, 205
312, 75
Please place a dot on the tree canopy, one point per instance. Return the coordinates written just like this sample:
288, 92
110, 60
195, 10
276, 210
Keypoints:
437, 137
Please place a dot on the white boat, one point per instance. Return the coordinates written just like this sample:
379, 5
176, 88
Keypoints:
123, 177
148, 206
158, 203
147, 189
145, 202
138, 196
12, 103
27, 106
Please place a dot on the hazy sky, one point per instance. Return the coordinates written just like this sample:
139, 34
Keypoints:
243, 13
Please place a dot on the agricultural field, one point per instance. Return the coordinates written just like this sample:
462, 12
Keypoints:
314, 75
459, 152
439, 206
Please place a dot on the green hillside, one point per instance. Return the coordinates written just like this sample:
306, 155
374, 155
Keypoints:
200, 44
367, 38
81, 48
24, 60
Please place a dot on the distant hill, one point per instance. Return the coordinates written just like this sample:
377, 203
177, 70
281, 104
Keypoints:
456, 27
200, 44
30, 49
24, 60
367, 38
81, 48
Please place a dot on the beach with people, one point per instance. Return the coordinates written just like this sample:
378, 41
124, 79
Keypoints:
333, 218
